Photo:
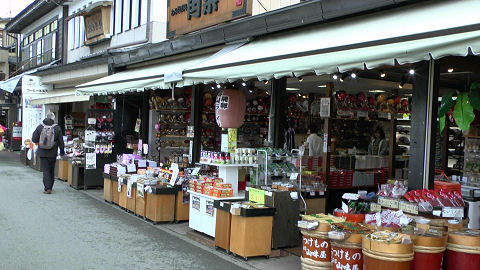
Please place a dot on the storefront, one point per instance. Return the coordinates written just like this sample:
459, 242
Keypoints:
368, 87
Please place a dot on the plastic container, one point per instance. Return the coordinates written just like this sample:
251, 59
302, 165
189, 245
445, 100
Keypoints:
463, 250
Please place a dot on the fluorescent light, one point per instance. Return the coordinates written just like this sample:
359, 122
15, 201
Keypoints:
376, 91
292, 89
322, 86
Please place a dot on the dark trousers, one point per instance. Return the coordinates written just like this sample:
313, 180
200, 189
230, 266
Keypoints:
48, 168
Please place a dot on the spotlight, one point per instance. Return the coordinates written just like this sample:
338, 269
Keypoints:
411, 71
382, 74
402, 82
342, 78
334, 76
213, 88
300, 79
304, 96
266, 82
267, 93
244, 84
353, 75
251, 91
299, 95
400, 85
219, 86
450, 70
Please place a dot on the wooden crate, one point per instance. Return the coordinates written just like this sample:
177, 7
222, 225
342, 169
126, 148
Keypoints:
140, 204
251, 236
107, 189
160, 207
181, 209
131, 201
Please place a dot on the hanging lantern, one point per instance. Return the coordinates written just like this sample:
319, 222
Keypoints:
230, 108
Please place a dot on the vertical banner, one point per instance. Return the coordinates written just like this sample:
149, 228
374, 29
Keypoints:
232, 140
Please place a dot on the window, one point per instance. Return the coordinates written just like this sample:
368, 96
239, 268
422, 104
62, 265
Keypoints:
54, 25
30, 38
54, 45
143, 11
136, 9
46, 30
82, 31
118, 16
38, 34
39, 52
127, 15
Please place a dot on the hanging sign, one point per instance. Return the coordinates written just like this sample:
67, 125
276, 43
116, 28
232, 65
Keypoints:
90, 135
90, 161
140, 190
185, 16
119, 184
325, 107
232, 140
129, 188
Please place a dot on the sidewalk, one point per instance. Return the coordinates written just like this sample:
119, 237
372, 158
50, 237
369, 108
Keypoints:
73, 229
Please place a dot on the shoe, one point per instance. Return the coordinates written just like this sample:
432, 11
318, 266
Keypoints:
48, 191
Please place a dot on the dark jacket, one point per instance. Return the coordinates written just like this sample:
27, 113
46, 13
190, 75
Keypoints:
51, 153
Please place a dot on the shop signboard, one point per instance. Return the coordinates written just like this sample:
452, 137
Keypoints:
185, 16
97, 23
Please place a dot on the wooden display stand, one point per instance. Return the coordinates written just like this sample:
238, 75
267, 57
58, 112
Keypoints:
69, 173
223, 226
181, 208
131, 201
251, 236
115, 193
122, 199
141, 204
107, 188
62, 169
161, 205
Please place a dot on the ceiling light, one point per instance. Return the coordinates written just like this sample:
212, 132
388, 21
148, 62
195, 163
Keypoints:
267, 93
383, 74
353, 75
292, 89
251, 91
342, 78
300, 79
334, 76
299, 95
450, 70
219, 86
376, 91
322, 86
244, 84
402, 81
213, 88
411, 71
400, 85
266, 82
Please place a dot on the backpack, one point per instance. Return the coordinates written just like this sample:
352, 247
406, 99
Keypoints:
47, 137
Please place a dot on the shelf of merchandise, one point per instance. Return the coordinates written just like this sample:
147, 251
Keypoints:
184, 110
175, 136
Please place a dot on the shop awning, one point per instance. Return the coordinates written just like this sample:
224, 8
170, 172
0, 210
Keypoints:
157, 76
404, 35
58, 96
10, 84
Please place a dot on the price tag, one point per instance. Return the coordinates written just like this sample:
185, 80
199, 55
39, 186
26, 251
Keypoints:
140, 190
256, 195
195, 171
321, 193
221, 204
312, 193
452, 212
388, 202
293, 176
247, 189
437, 213
375, 207
131, 168
408, 207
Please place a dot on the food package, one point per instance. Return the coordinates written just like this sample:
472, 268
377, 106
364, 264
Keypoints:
223, 185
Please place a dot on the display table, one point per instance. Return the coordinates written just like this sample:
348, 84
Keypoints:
141, 204
202, 216
62, 168
115, 193
122, 199
181, 207
69, 172
251, 232
222, 225
107, 188
160, 205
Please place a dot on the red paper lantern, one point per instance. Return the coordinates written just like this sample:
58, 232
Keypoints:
230, 108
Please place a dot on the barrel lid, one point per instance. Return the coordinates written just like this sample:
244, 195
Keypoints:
465, 237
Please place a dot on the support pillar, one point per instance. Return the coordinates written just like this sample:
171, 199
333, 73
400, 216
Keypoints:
423, 125
196, 121
276, 125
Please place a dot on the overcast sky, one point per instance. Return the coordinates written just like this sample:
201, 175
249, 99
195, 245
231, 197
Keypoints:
13, 7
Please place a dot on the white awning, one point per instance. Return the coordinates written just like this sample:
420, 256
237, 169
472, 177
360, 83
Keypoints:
158, 76
406, 35
58, 96
10, 84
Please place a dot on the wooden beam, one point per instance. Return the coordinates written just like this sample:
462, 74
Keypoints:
327, 129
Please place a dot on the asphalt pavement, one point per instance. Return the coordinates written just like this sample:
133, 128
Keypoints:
71, 230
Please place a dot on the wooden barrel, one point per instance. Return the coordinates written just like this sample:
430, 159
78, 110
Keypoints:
316, 252
381, 255
463, 250
428, 252
347, 254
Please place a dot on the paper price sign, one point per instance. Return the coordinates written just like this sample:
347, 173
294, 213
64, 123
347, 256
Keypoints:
452, 212
90, 135
195, 171
256, 195
293, 176
375, 207
388, 202
407, 207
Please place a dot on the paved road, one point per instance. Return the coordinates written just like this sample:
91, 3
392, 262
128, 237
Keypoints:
71, 230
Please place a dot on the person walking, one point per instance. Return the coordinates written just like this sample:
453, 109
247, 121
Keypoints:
49, 138
314, 142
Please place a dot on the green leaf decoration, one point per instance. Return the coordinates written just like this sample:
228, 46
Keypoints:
447, 103
475, 98
442, 123
463, 112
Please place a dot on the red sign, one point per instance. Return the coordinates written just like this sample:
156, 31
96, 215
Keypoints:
317, 249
